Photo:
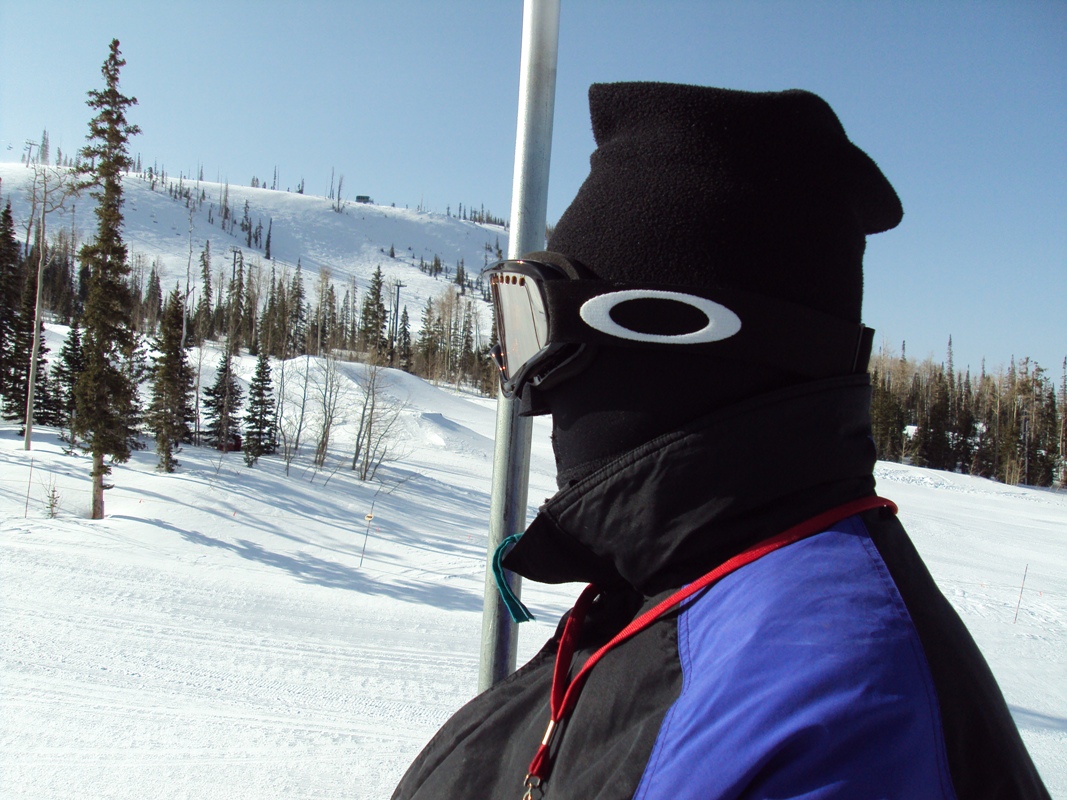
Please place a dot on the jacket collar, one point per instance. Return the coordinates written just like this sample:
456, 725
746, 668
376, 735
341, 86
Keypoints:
668, 511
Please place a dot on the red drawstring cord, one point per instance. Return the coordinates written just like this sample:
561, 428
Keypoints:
565, 695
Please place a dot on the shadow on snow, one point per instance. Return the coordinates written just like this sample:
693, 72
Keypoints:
329, 574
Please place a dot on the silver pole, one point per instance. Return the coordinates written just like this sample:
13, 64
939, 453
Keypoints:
529, 208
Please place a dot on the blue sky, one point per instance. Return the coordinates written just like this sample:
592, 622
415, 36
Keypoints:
962, 104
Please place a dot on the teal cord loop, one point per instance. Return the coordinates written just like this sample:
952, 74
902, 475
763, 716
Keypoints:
519, 612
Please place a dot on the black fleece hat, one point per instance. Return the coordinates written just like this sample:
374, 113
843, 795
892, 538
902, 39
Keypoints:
711, 188
760, 191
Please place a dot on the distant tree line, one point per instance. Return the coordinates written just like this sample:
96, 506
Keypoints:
277, 312
479, 215
1009, 425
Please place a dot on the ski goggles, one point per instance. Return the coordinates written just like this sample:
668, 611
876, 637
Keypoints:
550, 316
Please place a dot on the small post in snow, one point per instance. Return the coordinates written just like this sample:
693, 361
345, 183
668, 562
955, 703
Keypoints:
529, 209
1019, 604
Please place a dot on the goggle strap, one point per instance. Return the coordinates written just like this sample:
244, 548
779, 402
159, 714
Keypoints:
773, 332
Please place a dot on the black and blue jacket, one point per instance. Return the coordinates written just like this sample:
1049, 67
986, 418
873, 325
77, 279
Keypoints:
830, 668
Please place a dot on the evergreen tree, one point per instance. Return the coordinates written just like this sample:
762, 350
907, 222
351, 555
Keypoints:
261, 432
15, 400
250, 322
887, 417
965, 429
152, 305
296, 328
467, 355
373, 319
404, 352
10, 298
222, 404
984, 459
170, 411
933, 448
426, 350
268, 323
246, 226
1046, 447
235, 303
105, 396
204, 327
65, 374
47, 405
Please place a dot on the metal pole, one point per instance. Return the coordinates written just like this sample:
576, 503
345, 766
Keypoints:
529, 208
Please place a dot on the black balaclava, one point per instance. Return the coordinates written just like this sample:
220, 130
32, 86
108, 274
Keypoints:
705, 187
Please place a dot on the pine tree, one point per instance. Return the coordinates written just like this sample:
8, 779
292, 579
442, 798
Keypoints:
10, 300
153, 301
105, 396
467, 356
204, 328
403, 343
932, 437
268, 323
887, 418
984, 455
261, 432
250, 309
47, 407
222, 404
428, 344
965, 430
15, 400
296, 329
373, 319
70, 365
235, 302
170, 411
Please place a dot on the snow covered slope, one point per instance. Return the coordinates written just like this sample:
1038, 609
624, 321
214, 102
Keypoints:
348, 245
229, 632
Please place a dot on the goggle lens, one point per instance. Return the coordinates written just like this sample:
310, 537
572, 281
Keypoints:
521, 321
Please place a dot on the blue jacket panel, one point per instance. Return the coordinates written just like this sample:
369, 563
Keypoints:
804, 677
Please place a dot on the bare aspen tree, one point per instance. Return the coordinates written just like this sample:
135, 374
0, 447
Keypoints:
49, 189
331, 396
293, 391
378, 418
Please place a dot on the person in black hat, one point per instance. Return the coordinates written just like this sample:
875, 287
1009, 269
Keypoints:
757, 623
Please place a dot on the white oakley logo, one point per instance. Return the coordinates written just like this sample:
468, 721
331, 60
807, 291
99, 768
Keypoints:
722, 322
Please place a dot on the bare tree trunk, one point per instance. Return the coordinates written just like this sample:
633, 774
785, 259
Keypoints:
290, 432
366, 419
51, 199
331, 396
98, 485
27, 441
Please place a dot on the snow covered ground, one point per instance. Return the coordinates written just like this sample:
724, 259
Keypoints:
229, 632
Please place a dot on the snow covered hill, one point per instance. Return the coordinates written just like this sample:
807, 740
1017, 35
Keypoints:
235, 632
347, 246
